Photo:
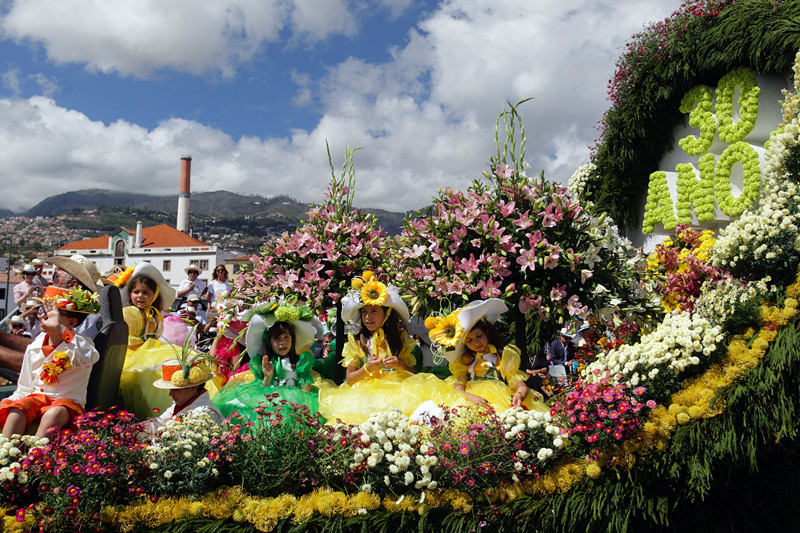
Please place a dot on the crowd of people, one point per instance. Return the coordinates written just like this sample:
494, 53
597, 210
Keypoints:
180, 362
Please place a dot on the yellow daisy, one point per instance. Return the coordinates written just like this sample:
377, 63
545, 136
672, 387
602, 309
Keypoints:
374, 293
447, 331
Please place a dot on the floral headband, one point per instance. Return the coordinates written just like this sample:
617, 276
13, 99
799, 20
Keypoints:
445, 330
75, 299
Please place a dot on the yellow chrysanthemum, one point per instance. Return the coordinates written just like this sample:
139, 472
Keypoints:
124, 277
447, 331
374, 293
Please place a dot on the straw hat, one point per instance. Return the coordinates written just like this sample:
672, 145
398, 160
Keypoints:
77, 269
198, 373
193, 266
148, 270
29, 268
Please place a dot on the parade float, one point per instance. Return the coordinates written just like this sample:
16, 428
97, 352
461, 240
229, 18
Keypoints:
685, 411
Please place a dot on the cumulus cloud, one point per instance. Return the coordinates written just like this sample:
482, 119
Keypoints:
425, 117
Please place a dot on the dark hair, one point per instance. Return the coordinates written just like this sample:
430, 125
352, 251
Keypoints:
214, 273
392, 330
80, 317
492, 333
158, 303
276, 329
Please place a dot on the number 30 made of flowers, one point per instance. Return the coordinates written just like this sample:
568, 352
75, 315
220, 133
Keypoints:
715, 175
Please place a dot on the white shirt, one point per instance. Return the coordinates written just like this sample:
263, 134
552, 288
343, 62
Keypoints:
199, 287
218, 289
71, 383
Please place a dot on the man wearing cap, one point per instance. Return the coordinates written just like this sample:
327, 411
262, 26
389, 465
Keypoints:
69, 273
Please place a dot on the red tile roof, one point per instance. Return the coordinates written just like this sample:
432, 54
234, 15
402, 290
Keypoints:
161, 236
98, 243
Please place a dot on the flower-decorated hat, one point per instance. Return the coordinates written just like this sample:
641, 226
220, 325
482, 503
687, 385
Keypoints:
451, 330
264, 315
178, 375
149, 271
76, 300
367, 290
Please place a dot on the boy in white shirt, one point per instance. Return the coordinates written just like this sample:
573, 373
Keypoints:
55, 369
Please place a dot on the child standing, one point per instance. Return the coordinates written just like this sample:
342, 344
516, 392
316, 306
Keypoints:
55, 369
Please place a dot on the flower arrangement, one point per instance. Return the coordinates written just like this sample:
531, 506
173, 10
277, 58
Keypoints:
658, 208
600, 414
745, 80
694, 192
698, 102
189, 456
681, 265
58, 364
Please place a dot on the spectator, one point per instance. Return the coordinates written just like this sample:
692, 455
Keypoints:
192, 285
322, 349
39, 280
561, 351
26, 289
17, 325
219, 287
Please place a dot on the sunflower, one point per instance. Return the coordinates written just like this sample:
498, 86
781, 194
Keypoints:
447, 331
123, 278
374, 293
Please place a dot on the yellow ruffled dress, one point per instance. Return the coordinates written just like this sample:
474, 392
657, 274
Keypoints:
143, 366
385, 389
490, 377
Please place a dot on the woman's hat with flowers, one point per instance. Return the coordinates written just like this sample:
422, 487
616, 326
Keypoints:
174, 375
451, 330
264, 315
149, 271
368, 290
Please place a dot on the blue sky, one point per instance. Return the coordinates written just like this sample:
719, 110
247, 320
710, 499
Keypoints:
110, 94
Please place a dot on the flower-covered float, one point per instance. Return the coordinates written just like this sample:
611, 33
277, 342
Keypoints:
684, 411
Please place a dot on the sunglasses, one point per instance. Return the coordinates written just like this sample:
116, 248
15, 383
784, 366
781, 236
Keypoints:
194, 272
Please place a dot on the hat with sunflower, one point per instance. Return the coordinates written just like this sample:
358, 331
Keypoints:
450, 331
368, 290
263, 316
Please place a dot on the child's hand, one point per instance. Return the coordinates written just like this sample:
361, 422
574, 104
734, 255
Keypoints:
474, 398
392, 362
373, 364
267, 367
50, 320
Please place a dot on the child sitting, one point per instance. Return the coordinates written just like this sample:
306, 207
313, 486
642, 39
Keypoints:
55, 369
188, 392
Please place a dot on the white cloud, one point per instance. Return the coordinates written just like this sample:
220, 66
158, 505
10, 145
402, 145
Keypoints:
425, 118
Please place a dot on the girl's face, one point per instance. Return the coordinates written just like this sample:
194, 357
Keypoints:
281, 343
372, 317
142, 296
476, 340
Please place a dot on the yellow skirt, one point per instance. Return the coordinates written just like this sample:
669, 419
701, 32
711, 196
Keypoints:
353, 404
494, 391
142, 367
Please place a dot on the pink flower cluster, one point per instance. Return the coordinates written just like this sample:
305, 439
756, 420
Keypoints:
316, 261
600, 414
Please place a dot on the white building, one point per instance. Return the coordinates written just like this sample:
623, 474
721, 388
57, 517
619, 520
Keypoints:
168, 249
